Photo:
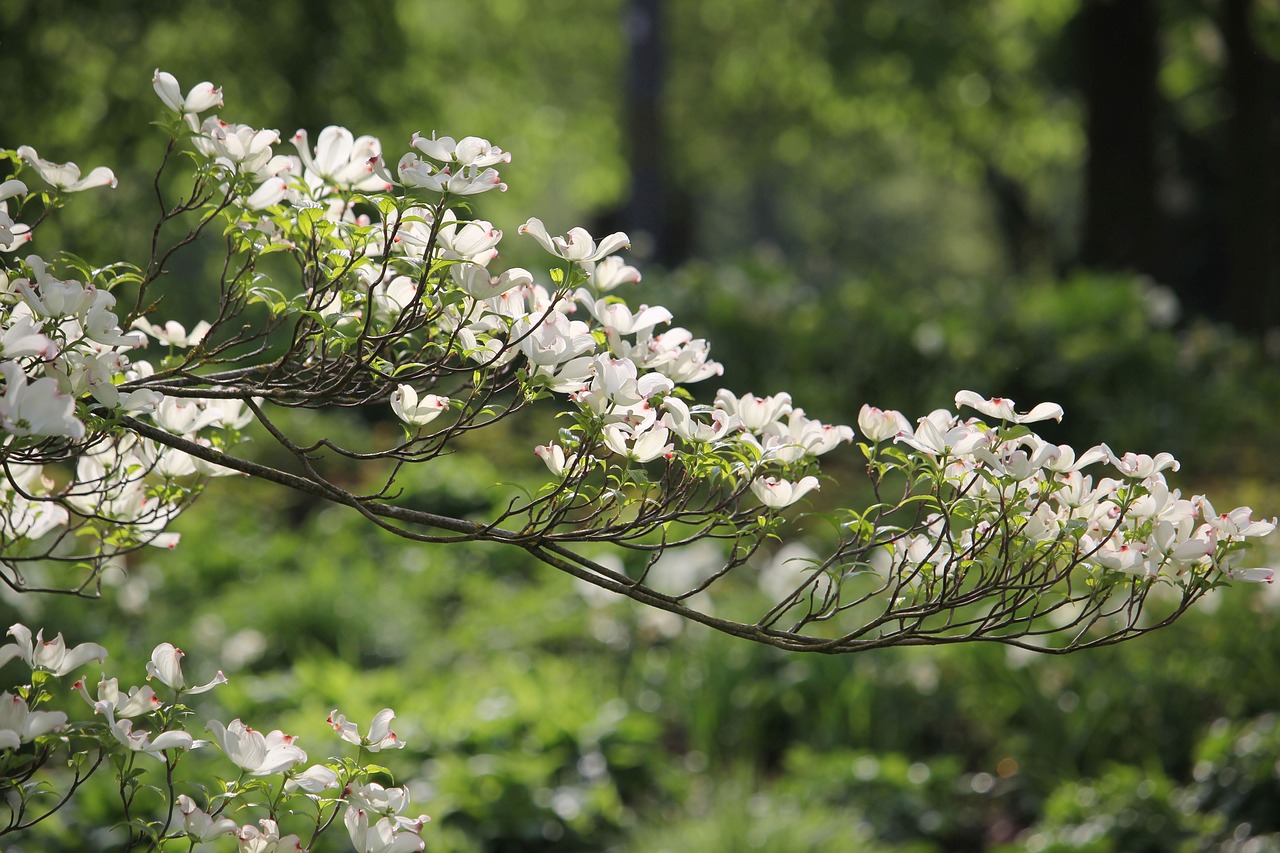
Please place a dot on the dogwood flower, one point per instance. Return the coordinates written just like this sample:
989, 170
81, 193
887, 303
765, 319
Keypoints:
552, 338
679, 419
140, 741
186, 415
201, 826
50, 656
553, 456
388, 803
313, 780
380, 735
1237, 523
139, 700
469, 151
612, 272
578, 245
1140, 466
201, 97
266, 839
1251, 575
382, 837
11, 188
939, 434
1002, 408
13, 235
66, 176
635, 444
801, 435
254, 752
1065, 460
271, 191
468, 180
36, 408
617, 317
474, 242
342, 160
776, 493
756, 413
414, 411
24, 338
19, 724
166, 666
881, 425
237, 146
172, 332
28, 518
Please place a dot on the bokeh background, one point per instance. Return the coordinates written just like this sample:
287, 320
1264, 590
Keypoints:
881, 201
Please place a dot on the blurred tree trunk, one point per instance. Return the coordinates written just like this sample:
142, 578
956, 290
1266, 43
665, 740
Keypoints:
1119, 61
1250, 294
647, 214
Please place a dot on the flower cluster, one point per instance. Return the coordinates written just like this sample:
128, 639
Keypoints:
1130, 522
138, 721
400, 304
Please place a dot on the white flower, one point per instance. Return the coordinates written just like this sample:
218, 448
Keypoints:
251, 750
616, 316
385, 836
801, 435
237, 146
19, 724
200, 825
468, 180
139, 700
313, 780
554, 457
1140, 466
756, 413
1239, 522
470, 151
66, 176
11, 188
679, 419
474, 241
51, 656
777, 494
24, 338
380, 735
36, 408
938, 434
1251, 575
342, 160
393, 831
611, 272
1002, 408
166, 666
414, 411
202, 96
173, 333
578, 245
267, 839
635, 444
13, 235
881, 425
269, 192
185, 415
140, 741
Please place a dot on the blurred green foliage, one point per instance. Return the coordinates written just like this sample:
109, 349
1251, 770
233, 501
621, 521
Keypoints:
540, 716
832, 160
